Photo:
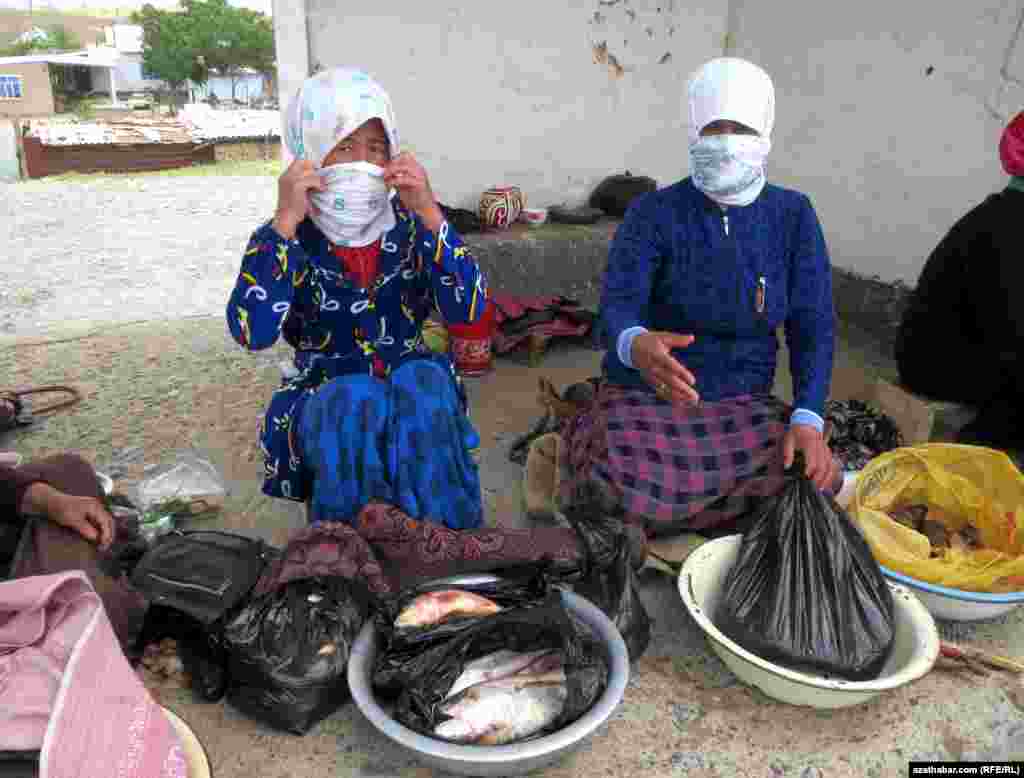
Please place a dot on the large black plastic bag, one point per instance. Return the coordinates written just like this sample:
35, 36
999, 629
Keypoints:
406, 652
805, 590
530, 628
288, 651
609, 578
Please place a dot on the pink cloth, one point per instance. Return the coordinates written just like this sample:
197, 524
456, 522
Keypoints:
1011, 147
67, 690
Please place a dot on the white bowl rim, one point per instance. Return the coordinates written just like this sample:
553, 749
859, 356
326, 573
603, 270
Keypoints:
918, 667
987, 598
563, 739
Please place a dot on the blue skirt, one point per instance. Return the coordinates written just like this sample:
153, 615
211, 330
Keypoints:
356, 439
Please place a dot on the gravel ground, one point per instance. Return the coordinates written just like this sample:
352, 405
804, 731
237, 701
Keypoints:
123, 248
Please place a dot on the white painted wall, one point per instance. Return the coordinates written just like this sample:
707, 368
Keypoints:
9, 166
891, 156
493, 93
490, 93
129, 76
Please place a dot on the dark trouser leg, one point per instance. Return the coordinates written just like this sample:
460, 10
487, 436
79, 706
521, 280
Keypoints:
47, 548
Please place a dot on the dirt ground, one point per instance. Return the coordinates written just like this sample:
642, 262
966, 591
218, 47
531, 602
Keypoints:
155, 388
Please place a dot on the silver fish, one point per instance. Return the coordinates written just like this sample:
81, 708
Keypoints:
488, 715
500, 664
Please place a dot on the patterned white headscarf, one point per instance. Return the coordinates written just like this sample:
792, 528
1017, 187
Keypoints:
330, 106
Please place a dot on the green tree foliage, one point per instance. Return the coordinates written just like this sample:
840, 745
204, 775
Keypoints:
206, 37
57, 38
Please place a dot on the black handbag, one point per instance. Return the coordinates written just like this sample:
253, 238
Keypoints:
204, 573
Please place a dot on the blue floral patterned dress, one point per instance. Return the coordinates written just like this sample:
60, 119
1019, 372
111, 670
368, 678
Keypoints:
373, 414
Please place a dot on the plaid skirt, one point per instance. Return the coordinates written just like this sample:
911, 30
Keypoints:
671, 468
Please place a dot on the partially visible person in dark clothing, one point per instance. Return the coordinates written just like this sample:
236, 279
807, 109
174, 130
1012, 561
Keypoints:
52, 519
962, 337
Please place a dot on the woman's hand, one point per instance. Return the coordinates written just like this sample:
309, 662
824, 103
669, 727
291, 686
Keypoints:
84, 515
652, 355
817, 456
293, 196
407, 175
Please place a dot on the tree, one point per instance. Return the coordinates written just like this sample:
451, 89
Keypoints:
231, 40
56, 38
169, 46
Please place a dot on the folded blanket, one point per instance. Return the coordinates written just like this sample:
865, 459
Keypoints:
67, 690
543, 318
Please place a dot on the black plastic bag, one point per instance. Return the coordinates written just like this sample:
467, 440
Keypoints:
858, 433
805, 590
530, 628
614, 194
288, 651
407, 652
609, 576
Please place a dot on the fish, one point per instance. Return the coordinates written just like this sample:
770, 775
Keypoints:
503, 664
435, 607
492, 716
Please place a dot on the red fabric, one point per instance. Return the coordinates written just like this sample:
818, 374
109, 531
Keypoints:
508, 309
1011, 147
359, 263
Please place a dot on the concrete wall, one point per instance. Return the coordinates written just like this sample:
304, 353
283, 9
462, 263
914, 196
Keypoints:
10, 167
889, 115
128, 74
548, 96
38, 95
237, 151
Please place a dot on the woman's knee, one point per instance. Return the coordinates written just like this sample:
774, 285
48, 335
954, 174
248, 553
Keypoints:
68, 473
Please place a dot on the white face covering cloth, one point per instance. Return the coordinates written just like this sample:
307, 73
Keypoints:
730, 169
354, 209
330, 106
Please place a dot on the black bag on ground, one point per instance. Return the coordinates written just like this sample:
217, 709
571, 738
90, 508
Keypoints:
288, 651
204, 574
614, 194
609, 579
805, 590
529, 628
407, 652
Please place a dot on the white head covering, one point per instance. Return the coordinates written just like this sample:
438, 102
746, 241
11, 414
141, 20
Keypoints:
733, 89
330, 106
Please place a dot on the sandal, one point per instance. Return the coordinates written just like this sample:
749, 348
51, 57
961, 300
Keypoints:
14, 412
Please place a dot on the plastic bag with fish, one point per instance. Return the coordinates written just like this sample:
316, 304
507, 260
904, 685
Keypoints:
805, 590
419, 620
537, 698
288, 651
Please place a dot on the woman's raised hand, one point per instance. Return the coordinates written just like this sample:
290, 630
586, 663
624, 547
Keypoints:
652, 355
293, 196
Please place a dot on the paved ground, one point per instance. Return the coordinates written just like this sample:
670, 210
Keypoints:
154, 387
121, 249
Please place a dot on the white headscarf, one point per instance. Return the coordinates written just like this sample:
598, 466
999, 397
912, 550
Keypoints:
730, 169
330, 106
734, 89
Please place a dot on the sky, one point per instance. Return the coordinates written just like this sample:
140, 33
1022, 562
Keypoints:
121, 7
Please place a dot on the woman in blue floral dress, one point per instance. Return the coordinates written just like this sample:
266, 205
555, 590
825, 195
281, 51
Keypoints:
357, 255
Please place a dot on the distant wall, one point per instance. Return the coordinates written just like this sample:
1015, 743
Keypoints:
43, 160
548, 96
37, 94
889, 115
247, 150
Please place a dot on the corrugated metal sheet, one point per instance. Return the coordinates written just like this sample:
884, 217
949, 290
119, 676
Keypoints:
209, 124
190, 127
119, 132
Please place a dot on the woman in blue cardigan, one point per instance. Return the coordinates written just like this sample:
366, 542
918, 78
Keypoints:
356, 256
684, 433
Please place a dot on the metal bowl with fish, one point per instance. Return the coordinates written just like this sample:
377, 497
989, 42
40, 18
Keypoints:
488, 760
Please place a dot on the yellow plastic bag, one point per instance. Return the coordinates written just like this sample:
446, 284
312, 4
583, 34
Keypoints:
972, 484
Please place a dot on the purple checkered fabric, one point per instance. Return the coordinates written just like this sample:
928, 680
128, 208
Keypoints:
671, 468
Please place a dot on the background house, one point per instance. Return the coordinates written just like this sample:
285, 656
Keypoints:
26, 85
888, 113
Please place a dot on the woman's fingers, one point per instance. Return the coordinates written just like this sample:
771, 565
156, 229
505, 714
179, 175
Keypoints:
674, 367
672, 387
